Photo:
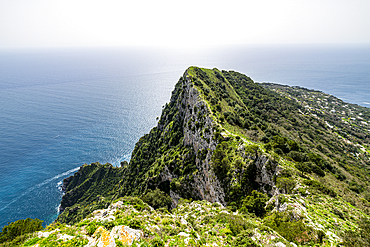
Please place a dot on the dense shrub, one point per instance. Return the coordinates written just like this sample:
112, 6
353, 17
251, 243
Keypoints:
360, 237
19, 228
157, 199
221, 160
244, 239
294, 231
236, 223
255, 203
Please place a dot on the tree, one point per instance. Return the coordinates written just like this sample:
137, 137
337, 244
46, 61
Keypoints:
157, 199
255, 203
285, 183
303, 168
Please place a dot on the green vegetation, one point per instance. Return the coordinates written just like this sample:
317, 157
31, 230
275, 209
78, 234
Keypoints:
293, 230
157, 199
91, 188
358, 237
18, 230
255, 203
197, 223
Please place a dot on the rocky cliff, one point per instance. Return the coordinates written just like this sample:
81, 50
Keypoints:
264, 151
178, 156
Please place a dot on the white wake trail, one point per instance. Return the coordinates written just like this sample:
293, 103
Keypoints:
39, 185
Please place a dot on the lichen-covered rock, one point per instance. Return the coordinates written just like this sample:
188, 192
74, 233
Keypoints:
103, 238
126, 235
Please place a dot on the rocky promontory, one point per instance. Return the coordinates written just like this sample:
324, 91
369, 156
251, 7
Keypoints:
230, 163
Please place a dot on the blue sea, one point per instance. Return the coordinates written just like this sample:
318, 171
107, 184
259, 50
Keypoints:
61, 108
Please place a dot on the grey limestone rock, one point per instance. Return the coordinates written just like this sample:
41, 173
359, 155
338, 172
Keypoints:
199, 131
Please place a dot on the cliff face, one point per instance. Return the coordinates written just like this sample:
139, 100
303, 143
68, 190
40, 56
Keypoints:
178, 156
183, 143
91, 185
198, 130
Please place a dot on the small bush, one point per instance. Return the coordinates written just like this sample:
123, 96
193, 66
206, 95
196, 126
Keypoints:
108, 225
32, 241
255, 203
252, 149
293, 231
313, 184
136, 202
91, 227
157, 199
236, 223
244, 239
157, 242
316, 169
354, 186
296, 156
304, 167
278, 151
285, 183
135, 223
118, 243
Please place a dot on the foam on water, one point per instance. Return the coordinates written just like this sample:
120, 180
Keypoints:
29, 190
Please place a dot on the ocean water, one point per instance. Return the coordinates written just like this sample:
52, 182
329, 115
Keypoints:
61, 108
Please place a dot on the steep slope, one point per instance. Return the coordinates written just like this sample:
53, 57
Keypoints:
174, 155
266, 150
92, 185
180, 157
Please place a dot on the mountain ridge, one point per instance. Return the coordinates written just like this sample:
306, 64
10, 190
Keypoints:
277, 154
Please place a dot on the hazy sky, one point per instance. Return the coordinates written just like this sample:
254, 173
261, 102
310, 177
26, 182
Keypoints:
63, 23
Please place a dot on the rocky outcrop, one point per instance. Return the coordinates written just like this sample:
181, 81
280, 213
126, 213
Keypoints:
104, 238
266, 171
198, 133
